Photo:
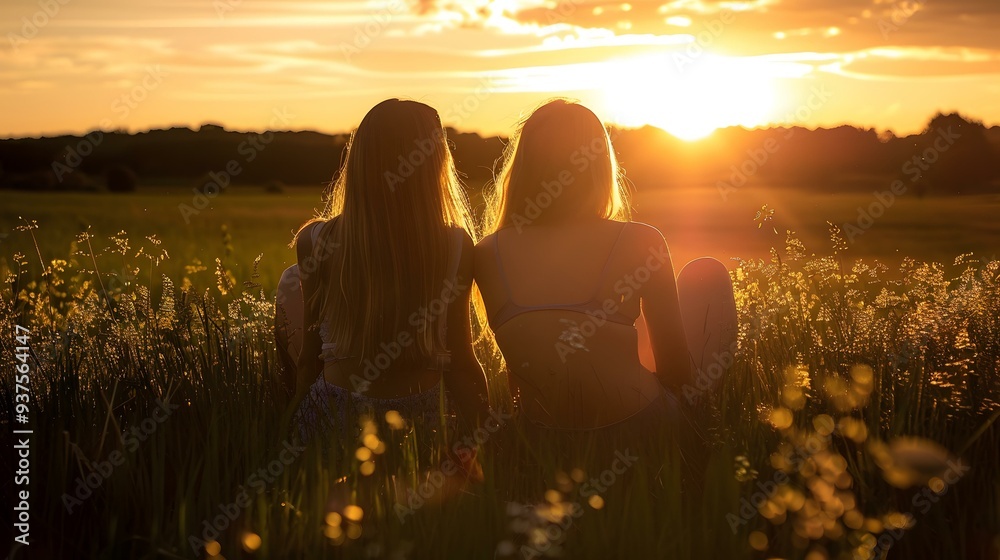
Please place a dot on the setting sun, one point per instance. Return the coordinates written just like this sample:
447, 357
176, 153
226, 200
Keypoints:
691, 100
581, 279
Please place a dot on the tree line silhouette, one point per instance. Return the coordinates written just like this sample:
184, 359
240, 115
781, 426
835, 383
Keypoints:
952, 155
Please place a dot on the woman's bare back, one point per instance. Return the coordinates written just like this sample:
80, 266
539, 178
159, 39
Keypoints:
563, 301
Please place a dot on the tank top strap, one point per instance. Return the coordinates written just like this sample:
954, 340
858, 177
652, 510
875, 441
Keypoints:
607, 263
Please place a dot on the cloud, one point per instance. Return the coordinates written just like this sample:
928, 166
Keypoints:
357, 51
759, 27
920, 63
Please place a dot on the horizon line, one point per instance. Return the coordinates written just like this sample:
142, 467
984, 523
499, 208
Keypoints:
770, 126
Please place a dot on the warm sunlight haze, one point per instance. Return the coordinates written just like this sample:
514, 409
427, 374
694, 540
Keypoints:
688, 67
689, 103
500, 279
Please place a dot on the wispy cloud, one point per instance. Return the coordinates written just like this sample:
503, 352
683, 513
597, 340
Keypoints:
337, 58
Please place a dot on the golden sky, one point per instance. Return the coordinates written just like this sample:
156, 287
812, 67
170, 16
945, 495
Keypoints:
689, 66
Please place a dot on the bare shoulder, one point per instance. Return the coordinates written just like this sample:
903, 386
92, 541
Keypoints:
303, 237
485, 247
643, 246
486, 241
467, 249
468, 245
310, 246
307, 232
641, 236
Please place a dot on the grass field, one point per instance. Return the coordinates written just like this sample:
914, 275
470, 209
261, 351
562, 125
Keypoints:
696, 222
858, 419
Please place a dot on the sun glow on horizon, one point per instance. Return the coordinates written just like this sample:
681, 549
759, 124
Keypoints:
690, 101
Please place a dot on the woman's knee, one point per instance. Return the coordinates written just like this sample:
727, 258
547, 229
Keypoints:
705, 270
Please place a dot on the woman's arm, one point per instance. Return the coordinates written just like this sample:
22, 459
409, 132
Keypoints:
288, 328
308, 365
287, 361
661, 308
465, 379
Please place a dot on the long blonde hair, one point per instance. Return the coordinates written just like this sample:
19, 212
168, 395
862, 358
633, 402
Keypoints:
559, 165
396, 199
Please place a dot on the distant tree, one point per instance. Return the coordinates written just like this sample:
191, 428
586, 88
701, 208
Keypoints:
957, 155
120, 178
33, 181
993, 135
211, 127
78, 181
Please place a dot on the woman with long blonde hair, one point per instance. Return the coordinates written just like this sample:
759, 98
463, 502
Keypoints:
386, 273
596, 332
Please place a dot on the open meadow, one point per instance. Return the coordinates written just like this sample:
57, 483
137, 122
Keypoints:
857, 419
841, 159
245, 222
